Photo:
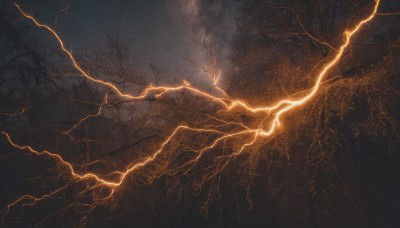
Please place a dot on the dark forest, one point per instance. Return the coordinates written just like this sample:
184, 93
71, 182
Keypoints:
200, 113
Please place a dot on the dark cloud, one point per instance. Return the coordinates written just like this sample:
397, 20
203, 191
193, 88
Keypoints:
165, 32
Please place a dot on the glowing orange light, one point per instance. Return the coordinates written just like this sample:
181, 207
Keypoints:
274, 112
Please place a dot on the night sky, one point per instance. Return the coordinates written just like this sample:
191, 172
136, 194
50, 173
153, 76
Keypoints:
199, 113
168, 33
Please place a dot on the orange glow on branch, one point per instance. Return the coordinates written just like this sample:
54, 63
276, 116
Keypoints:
273, 112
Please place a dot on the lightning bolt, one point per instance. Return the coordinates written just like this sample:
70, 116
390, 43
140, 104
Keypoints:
247, 135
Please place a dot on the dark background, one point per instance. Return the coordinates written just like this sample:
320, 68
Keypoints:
335, 164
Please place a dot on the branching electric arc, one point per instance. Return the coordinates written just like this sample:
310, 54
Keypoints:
266, 128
